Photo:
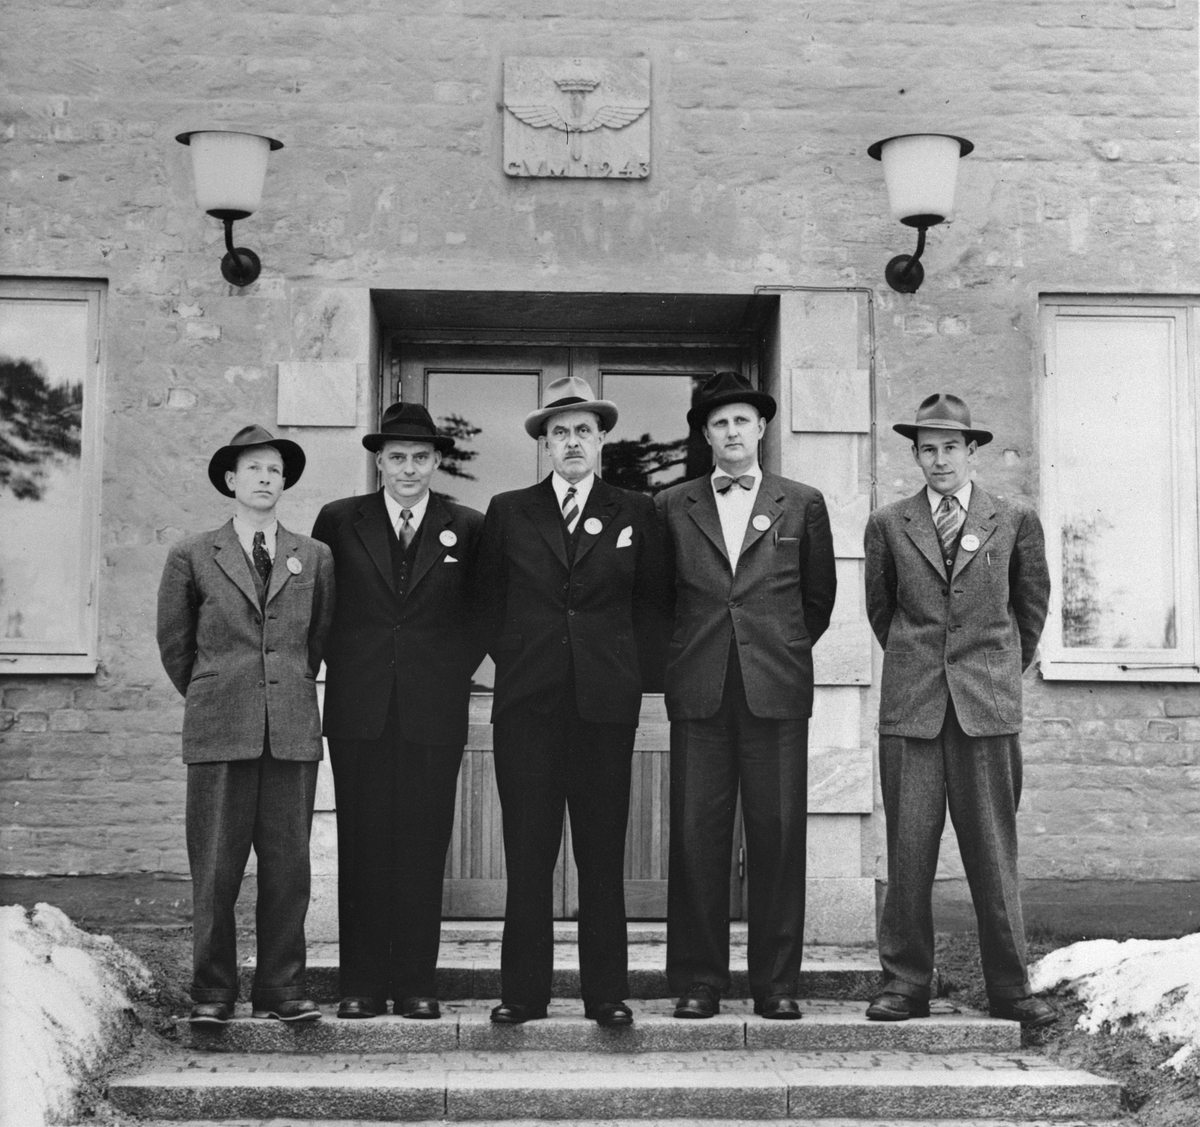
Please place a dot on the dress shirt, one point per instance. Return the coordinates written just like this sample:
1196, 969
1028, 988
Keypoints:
583, 490
245, 534
734, 508
417, 509
964, 502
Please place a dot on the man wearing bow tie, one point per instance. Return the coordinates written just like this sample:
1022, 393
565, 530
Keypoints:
752, 559
399, 665
572, 570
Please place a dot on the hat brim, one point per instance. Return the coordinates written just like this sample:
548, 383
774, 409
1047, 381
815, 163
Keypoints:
226, 458
603, 409
442, 443
972, 434
763, 403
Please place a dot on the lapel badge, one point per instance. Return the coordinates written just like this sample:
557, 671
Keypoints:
592, 526
447, 538
294, 565
761, 522
970, 542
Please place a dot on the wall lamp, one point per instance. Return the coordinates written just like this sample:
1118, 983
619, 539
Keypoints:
920, 170
229, 169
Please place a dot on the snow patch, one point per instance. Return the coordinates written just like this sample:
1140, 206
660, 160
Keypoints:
63, 999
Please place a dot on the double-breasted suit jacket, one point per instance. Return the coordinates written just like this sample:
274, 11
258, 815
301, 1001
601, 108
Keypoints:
242, 666
967, 636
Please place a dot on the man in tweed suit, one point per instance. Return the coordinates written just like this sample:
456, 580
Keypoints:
243, 613
957, 589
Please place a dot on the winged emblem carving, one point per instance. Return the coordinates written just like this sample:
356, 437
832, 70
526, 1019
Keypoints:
545, 116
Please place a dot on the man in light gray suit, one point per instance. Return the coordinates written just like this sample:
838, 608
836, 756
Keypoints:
957, 589
243, 613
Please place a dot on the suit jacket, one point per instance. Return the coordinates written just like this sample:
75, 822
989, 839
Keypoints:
968, 636
777, 604
242, 667
601, 616
424, 646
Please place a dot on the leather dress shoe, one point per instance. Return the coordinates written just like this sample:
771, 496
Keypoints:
778, 1007
897, 1007
356, 1007
699, 1000
210, 1013
1031, 1012
514, 1013
610, 1015
294, 1009
418, 1007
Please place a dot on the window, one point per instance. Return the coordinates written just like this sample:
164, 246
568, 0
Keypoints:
50, 397
1120, 488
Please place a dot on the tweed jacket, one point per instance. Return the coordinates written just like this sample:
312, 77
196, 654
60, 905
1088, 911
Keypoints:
424, 646
967, 636
240, 666
777, 604
601, 615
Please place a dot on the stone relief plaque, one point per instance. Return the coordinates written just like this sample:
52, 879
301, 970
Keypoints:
584, 118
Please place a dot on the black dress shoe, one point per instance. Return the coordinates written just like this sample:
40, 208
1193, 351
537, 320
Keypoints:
1031, 1012
778, 1007
418, 1007
513, 1013
361, 1007
294, 1009
610, 1015
699, 1000
210, 1013
897, 1007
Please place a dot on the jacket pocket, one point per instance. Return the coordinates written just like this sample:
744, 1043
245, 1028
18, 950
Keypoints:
203, 676
1004, 672
899, 675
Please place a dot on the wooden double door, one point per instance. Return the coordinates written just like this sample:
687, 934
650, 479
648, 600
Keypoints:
481, 393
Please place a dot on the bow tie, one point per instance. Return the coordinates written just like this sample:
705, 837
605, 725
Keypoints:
723, 483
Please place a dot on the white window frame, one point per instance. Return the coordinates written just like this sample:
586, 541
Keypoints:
1059, 662
14, 660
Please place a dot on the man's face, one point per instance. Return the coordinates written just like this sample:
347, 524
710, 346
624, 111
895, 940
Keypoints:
407, 469
257, 482
734, 432
945, 458
573, 440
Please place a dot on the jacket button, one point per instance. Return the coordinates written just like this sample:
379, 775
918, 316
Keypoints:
945, 593
257, 621
564, 641
949, 661
262, 684
571, 612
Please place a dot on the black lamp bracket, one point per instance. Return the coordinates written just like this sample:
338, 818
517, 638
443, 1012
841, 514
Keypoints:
241, 265
905, 273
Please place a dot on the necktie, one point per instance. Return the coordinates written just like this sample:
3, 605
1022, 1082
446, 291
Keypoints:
723, 483
570, 509
405, 531
946, 520
261, 557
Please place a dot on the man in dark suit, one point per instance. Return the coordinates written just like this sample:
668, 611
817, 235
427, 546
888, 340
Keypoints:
752, 558
243, 613
572, 571
957, 589
399, 665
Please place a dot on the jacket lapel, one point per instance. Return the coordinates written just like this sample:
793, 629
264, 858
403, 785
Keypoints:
542, 509
603, 502
430, 547
286, 545
704, 512
227, 551
768, 504
979, 523
918, 523
373, 531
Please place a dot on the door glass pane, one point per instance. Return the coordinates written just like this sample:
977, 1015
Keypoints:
1116, 483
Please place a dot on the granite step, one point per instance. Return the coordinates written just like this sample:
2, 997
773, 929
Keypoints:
827, 1025
767, 1084
792, 1121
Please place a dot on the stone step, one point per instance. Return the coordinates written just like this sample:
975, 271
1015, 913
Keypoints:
737, 1084
791, 1122
827, 1025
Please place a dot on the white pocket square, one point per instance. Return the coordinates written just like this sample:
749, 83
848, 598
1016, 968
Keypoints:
625, 539
450, 559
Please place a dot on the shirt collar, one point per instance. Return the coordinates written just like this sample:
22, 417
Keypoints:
417, 510
245, 534
583, 488
935, 498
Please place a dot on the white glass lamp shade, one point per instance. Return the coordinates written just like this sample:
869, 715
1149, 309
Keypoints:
229, 170
921, 170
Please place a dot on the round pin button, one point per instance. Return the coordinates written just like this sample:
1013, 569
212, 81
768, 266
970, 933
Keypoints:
294, 565
970, 543
592, 526
761, 522
448, 538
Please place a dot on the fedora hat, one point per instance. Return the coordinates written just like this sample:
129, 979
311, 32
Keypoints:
570, 393
725, 388
943, 411
407, 422
226, 458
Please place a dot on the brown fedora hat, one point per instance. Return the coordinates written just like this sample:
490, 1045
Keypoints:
725, 388
226, 458
943, 411
407, 422
570, 393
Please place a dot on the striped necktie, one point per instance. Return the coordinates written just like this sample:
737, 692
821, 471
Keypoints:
570, 509
946, 520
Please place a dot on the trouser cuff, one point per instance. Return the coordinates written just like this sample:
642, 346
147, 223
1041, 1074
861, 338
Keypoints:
203, 997
1008, 993
259, 998
907, 989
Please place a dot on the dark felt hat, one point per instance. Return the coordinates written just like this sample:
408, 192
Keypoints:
407, 422
943, 411
725, 388
226, 458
